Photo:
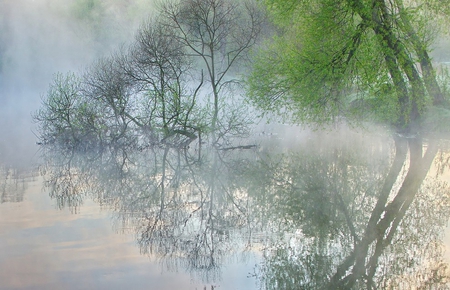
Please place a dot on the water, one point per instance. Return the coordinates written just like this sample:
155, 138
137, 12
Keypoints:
277, 216
43, 247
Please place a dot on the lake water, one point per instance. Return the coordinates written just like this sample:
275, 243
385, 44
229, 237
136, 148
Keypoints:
284, 214
43, 247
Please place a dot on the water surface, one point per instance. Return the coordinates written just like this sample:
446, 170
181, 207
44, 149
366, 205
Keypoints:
288, 212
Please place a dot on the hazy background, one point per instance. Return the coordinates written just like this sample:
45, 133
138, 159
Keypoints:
41, 37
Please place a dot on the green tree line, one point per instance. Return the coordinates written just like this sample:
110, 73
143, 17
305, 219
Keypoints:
363, 59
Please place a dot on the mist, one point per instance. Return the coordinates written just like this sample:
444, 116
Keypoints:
39, 38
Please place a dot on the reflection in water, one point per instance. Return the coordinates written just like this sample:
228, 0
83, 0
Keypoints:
182, 206
337, 212
351, 218
13, 184
44, 248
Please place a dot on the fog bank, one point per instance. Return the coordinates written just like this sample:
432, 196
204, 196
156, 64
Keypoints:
41, 37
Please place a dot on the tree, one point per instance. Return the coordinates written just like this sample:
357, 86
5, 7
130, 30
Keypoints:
139, 91
346, 58
65, 117
219, 33
366, 59
160, 67
151, 89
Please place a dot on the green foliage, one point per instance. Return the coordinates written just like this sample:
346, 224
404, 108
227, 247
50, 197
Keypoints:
289, 268
329, 53
378, 105
308, 69
66, 117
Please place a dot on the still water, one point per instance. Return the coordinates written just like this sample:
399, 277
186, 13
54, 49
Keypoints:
316, 210
43, 247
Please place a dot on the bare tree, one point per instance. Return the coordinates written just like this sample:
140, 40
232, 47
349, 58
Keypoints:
161, 69
220, 33
107, 86
148, 93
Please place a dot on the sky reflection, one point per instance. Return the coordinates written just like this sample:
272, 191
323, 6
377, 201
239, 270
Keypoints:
45, 248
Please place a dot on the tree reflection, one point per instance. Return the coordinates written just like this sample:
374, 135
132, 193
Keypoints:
181, 203
338, 212
348, 217
13, 183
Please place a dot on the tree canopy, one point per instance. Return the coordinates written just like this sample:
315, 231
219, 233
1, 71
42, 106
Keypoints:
172, 84
353, 58
360, 60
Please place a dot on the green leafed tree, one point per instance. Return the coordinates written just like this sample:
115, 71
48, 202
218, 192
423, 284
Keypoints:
355, 58
361, 60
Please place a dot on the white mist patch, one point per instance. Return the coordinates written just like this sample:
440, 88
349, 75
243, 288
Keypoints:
39, 38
